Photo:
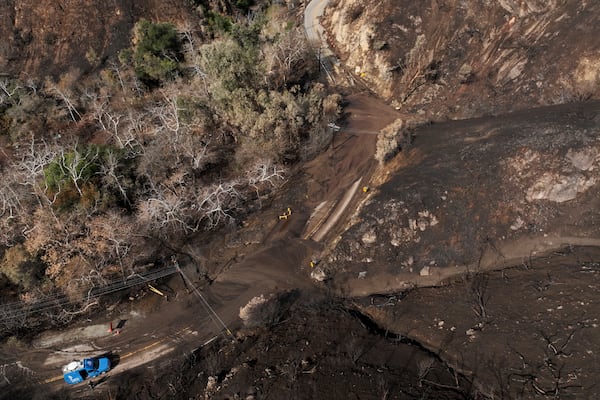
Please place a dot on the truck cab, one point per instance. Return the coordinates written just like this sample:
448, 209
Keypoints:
79, 370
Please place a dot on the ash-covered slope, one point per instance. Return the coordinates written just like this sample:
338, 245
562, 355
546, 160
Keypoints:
470, 58
478, 194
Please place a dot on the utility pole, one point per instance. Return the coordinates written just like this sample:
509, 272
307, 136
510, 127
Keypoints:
211, 312
319, 58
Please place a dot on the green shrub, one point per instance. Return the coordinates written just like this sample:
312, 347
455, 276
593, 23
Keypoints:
85, 165
157, 52
218, 23
76, 178
234, 63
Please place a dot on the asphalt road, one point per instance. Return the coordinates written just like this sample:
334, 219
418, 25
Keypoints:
316, 36
314, 30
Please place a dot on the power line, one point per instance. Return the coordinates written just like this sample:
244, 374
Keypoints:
21, 310
211, 312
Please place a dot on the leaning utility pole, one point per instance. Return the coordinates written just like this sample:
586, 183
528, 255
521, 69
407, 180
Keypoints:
211, 312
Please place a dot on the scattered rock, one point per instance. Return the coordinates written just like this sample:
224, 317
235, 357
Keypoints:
584, 159
425, 271
433, 221
369, 237
518, 224
465, 74
408, 262
559, 188
211, 385
380, 45
412, 224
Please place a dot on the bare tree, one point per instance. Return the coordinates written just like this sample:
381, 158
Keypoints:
32, 86
168, 114
9, 88
424, 367
292, 369
264, 172
10, 199
14, 208
218, 201
30, 168
109, 172
63, 90
558, 345
384, 387
124, 129
108, 121
479, 297
192, 55
117, 71
288, 51
196, 151
164, 211
548, 377
76, 165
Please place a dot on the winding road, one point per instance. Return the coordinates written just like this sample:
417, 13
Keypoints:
314, 30
315, 33
184, 323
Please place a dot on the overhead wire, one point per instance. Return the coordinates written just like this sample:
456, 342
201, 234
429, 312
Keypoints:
20, 310
207, 307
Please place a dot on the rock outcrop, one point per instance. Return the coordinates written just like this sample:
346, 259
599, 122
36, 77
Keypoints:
478, 193
470, 58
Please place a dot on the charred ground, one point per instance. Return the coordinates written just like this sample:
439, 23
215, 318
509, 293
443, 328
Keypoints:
489, 212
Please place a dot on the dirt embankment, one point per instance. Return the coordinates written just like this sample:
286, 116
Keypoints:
319, 350
48, 37
475, 195
462, 59
469, 198
493, 212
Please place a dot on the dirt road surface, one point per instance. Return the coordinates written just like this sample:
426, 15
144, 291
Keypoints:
550, 299
160, 328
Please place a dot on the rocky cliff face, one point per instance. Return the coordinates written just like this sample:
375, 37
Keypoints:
470, 57
48, 37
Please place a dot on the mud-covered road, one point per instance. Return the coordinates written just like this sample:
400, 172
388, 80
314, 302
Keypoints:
488, 212
275, 259
543, 276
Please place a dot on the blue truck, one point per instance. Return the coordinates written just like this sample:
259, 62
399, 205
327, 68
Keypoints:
79, 370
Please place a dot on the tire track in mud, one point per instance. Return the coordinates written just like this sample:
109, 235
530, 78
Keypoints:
278, 265
332, 219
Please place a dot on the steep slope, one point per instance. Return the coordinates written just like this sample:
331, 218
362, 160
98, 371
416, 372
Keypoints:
49, 37
470, 58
